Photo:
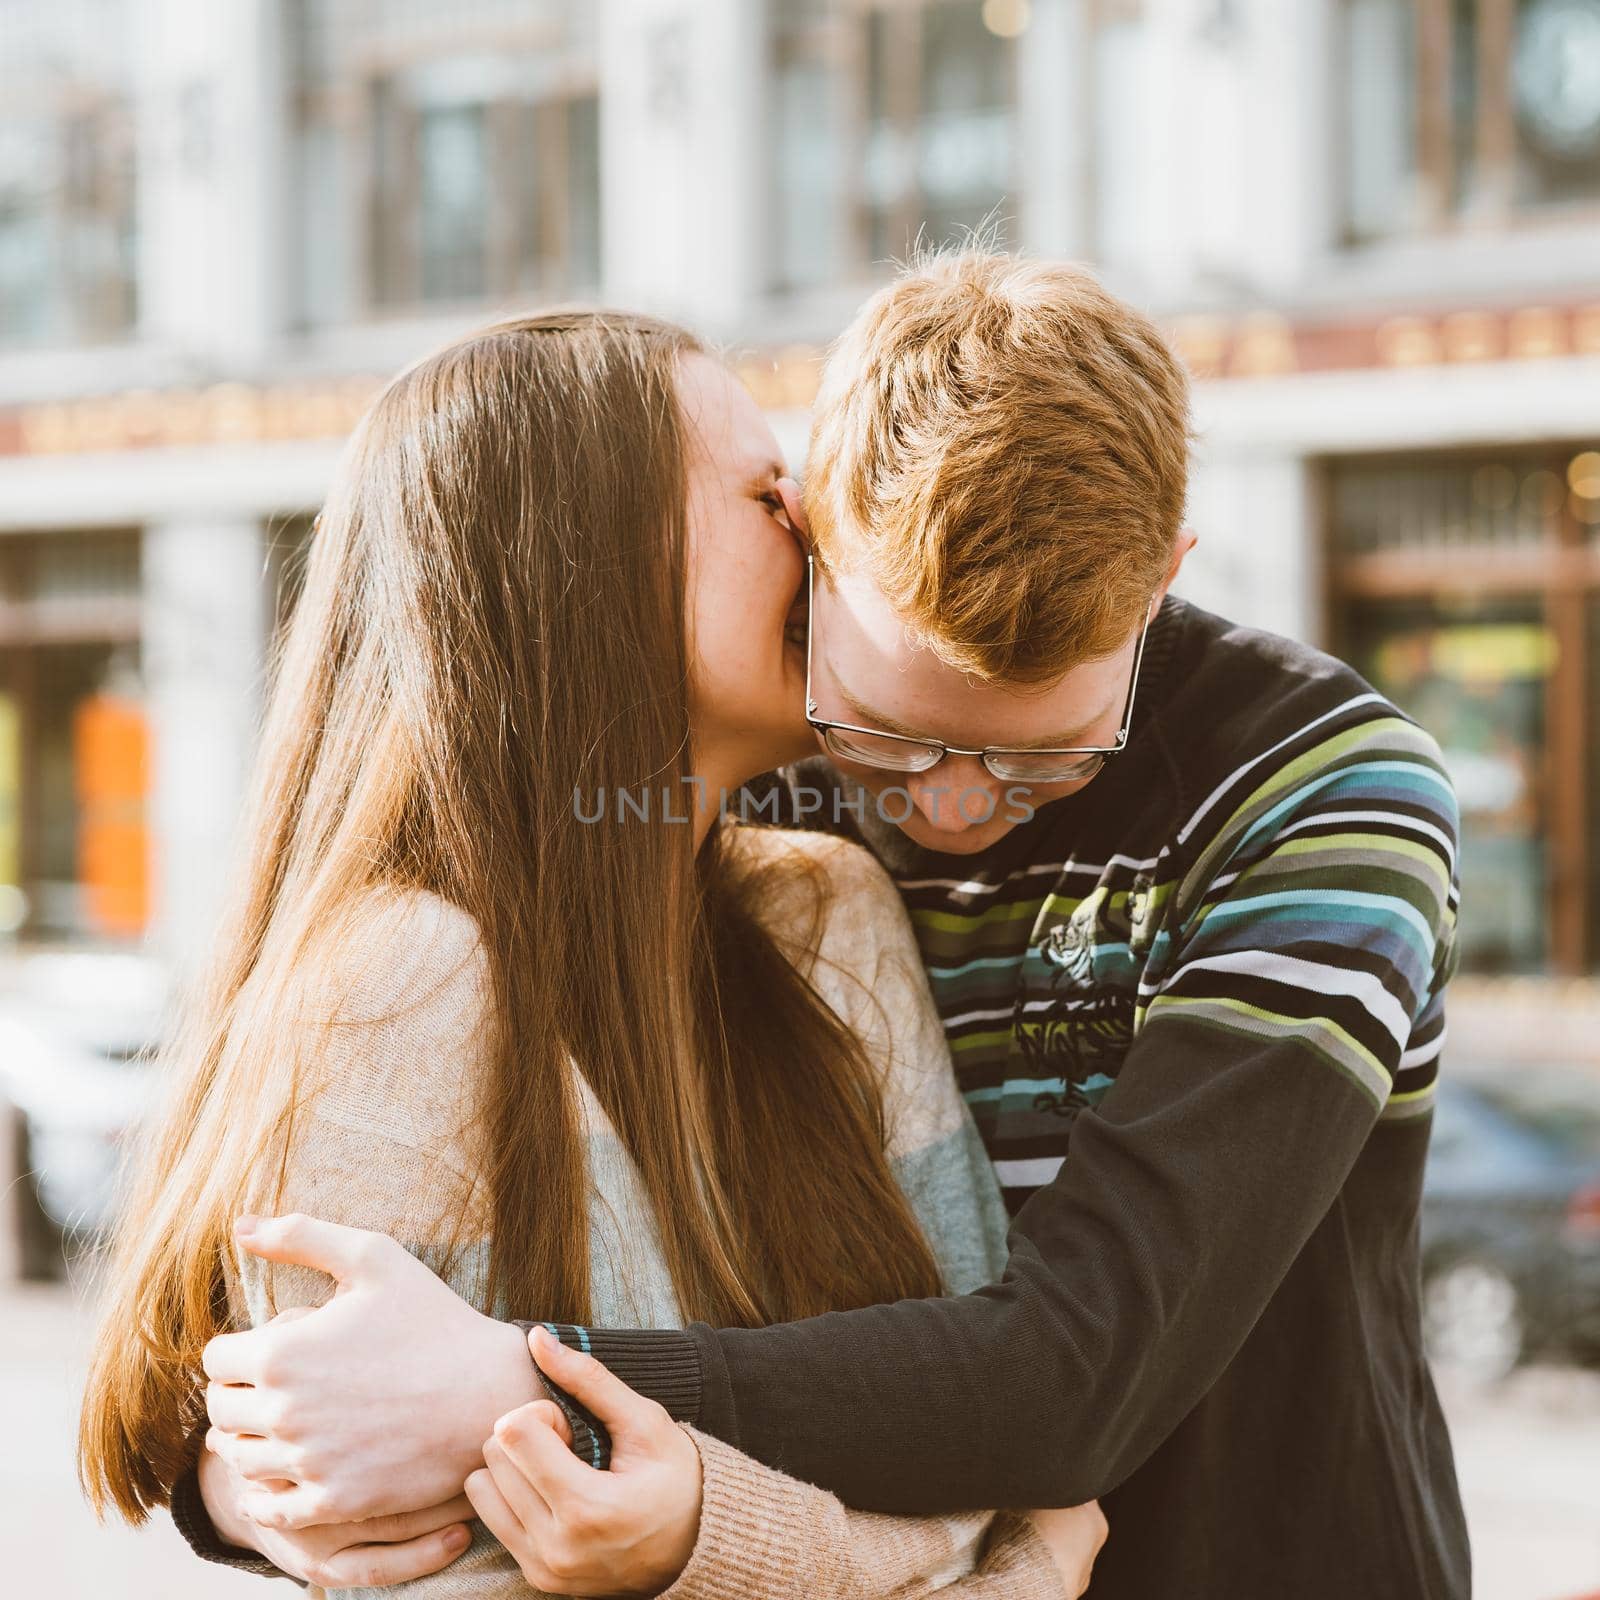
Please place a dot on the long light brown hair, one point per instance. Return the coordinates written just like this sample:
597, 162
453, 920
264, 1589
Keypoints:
493, 619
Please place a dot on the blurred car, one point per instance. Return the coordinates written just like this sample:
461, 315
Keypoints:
72, 1048
1511, 1224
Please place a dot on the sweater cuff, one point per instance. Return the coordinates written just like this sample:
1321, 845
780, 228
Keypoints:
756, 1536
662, 1364
193, 1521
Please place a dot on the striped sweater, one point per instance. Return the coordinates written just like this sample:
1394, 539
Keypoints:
1196, 1009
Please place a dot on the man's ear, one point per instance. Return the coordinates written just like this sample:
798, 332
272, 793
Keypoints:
1187, 540
794, 508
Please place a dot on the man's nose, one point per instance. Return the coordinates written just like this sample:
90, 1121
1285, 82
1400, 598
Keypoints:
958, 794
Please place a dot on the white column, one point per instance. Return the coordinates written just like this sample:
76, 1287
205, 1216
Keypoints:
212, 238
204, 646
1256, 560
1288, 210
1054, 90
682, 151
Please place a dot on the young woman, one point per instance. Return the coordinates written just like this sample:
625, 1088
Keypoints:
500, 980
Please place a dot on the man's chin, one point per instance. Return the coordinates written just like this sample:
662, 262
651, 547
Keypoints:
963, 842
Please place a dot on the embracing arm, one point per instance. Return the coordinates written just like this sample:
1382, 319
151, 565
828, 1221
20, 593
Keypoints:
1314, 940
766, 1536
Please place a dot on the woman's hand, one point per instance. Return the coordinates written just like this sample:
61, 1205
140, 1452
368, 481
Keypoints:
576, 1531
1074, 1536
341, 1555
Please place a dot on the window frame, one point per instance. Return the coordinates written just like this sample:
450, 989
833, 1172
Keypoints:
1562, 572
1492, 202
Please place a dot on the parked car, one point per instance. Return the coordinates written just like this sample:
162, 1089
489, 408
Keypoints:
73, 1040
1511, 1224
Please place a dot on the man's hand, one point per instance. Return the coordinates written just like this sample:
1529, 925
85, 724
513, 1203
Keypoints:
571, 1529
374, 1404
343, 1555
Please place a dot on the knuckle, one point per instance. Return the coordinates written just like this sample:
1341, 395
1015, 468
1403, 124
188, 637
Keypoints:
266, 1514
560, 1563
368, 1574
581, 1520
371, 1248
270, 1364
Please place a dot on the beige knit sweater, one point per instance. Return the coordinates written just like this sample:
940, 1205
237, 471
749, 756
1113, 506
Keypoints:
389, 1143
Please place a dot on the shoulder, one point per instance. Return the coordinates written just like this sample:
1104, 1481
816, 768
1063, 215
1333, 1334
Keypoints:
1261, 726
820, 895
395, 997
397, 950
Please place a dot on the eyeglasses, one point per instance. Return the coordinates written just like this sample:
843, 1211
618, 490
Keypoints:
899, 752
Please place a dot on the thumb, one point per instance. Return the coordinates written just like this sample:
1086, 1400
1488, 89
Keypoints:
620, 1409
345, 1254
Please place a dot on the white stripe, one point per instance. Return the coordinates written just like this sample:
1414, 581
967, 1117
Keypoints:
1031, 1174
1423, 1054
977, 1016
1054, 868
1266, 755
1390, 819
972, 886
1315, 978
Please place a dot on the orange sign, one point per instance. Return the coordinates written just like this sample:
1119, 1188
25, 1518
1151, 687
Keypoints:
111, 757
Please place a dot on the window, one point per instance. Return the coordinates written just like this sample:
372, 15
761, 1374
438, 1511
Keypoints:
893, 121
66, 172
459, 150
1467, 110
74, 772
1467, 589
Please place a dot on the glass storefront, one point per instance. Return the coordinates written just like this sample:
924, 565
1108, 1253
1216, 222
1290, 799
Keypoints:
1467, 589
74, 744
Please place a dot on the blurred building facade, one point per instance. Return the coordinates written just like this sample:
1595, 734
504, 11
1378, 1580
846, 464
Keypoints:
1372, 226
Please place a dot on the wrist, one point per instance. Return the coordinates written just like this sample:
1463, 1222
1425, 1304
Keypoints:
511, 1378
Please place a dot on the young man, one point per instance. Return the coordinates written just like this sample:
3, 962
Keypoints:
1185, 894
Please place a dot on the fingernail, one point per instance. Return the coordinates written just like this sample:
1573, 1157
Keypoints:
457, 1540
245, 1224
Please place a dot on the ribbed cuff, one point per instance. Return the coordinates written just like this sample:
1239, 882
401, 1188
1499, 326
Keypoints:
663, 1364
758, 1534
193, 1521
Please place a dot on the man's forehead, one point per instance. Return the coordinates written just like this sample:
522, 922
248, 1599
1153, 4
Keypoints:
891, 679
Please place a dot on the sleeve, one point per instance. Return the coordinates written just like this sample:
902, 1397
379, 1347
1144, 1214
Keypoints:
193, 1522
764, 1536
388, 1142
1314, 931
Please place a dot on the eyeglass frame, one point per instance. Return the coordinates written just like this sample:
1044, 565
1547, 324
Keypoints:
822, 725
